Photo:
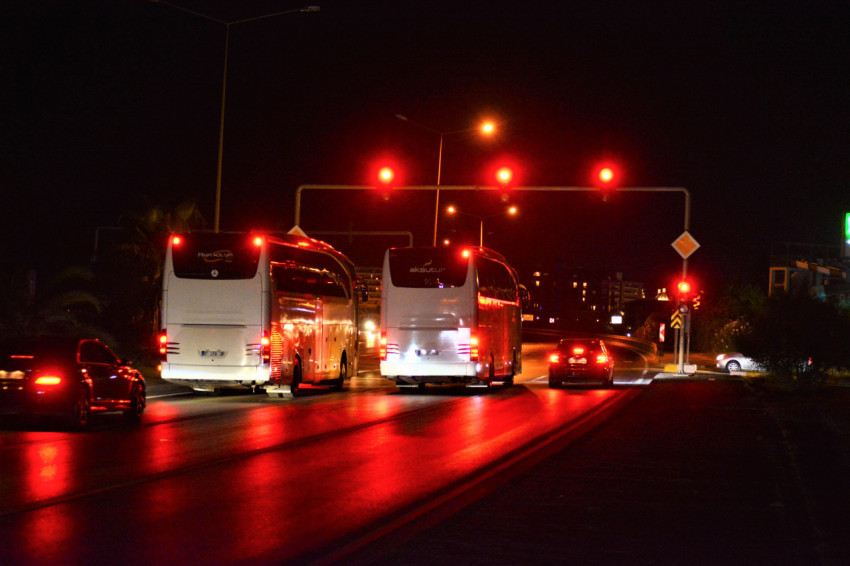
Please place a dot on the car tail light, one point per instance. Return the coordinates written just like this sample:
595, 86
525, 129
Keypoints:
48, 380
578, 350
601, 359
555, 358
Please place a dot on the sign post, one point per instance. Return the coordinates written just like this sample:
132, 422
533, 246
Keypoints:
685, 245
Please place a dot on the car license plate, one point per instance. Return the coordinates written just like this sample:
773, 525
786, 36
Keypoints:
578, 360
11, 374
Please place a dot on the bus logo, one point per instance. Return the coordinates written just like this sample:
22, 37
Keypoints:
216, 256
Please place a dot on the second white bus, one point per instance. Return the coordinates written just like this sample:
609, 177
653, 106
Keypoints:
449, 315
253, 311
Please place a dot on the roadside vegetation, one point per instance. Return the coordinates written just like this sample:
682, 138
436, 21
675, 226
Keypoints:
800, 341
116, 298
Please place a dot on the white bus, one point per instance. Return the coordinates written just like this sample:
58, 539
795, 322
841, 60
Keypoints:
449, 315
253, 311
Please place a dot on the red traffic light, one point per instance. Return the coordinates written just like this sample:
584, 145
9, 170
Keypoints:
506, 170
684, 287
606, 174
385, 171
386, 175
504, 176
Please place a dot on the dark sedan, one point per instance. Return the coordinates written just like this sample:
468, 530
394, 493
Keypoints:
581, 360
68, 377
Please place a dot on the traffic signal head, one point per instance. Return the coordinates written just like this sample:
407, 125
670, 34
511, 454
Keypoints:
385, 171
386, 175
684, 288
605, 175
504, 176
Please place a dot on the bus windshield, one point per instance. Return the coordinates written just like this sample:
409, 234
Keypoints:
428, 267
215, 256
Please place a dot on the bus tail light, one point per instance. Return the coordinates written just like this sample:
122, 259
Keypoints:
266, 347
470, 349
163, 346
387, 348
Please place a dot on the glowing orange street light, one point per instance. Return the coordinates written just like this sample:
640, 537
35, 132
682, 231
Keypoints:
487, 128
511, 211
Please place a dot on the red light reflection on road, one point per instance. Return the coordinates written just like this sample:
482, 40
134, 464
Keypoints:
48, 472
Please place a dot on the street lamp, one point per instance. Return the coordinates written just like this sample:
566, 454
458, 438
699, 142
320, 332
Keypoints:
487, 128
224, 81
511, 211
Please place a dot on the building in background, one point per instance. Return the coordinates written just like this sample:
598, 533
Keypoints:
577, 298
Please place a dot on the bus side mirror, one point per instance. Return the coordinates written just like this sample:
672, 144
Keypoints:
524, 298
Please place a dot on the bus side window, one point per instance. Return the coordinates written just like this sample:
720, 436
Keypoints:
486, 278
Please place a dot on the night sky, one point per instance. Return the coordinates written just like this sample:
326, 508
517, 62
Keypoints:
110, 107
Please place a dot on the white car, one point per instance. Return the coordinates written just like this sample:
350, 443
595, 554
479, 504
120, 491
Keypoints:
736, 362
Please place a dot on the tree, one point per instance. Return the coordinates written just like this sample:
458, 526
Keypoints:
798, 338
65, 304
129, 271
717, 326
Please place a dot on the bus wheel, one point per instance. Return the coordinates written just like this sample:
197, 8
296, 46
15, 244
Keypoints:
296, 379
509, 381
343, 370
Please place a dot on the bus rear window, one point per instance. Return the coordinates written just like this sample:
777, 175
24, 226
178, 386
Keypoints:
215, 256
428, 267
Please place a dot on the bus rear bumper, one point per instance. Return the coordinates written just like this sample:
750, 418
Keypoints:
204, 378
415, 373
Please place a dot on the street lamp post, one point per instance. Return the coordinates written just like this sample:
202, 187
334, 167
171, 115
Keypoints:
512, 211
224, 82
487, 128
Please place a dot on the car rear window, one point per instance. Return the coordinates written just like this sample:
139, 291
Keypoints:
588, 346
28, 353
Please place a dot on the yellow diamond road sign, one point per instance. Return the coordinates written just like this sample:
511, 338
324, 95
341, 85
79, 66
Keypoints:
685, 244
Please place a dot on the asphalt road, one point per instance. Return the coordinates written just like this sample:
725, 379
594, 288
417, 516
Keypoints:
709, 470
248, 479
